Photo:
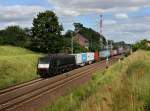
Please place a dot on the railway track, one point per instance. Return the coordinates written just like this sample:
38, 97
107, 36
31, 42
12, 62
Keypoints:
5, 90
15, 87
14, 97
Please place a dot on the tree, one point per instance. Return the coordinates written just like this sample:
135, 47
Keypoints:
13, 35
143, 44
46, 33
78, 26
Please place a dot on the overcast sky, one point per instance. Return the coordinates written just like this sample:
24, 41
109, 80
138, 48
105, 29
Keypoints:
124, 20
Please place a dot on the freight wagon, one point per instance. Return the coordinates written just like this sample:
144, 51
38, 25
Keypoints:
113, 53
78, 58
96, 56
104, 54
120, 50
90, 57
84, 59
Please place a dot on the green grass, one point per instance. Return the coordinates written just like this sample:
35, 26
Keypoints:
11, 51
125, 86
73, 101
17, 65
130, 91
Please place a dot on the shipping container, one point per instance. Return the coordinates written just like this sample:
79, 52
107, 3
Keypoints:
90, 57
120, 50
104, 53
78, 58
84, 57
96, 56
113, 52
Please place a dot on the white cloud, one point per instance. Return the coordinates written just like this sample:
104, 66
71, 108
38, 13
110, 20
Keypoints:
18, 15
79, 7
122, 27
121, 16
109, 22
129, 31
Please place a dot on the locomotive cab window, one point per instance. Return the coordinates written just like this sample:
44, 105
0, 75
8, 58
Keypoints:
43, 61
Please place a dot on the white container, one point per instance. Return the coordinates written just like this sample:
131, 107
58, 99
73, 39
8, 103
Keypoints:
90, 57
104, 53
115, 52
78, 58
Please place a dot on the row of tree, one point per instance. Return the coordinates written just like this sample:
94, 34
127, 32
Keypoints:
143, 44
45, 35
14, 35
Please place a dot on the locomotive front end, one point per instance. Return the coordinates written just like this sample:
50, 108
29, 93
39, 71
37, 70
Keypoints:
43, 66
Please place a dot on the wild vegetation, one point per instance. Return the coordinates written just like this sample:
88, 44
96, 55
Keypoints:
14, 35
129, 92
123, 87
17, 65
143, 44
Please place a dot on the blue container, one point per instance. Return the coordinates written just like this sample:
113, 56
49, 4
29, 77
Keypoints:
84, 57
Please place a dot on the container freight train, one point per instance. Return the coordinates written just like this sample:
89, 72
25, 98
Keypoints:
54, 64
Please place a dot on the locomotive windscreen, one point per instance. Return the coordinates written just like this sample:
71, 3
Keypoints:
43, 62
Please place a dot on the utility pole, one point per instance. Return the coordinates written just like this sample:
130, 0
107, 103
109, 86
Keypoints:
91, 45
72, 43
101, 24
101, 29
101, 32
111, 45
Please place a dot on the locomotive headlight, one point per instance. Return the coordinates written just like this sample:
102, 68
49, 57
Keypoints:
43, 66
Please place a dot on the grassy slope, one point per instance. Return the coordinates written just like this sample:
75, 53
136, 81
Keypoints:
16, 65
12, 51
125, 86
129, 92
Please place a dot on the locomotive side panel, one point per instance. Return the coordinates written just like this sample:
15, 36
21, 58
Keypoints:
55, 64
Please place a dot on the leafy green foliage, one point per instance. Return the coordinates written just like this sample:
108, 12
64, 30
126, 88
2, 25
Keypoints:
143, 44
78, 26
13, 35
46, 33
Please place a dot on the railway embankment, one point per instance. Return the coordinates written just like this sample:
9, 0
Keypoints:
17, 65
125, 86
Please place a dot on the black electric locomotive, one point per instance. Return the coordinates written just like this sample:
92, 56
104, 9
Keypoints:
54, 64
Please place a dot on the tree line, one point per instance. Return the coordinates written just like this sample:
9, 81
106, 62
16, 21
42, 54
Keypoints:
45, 36
143, 44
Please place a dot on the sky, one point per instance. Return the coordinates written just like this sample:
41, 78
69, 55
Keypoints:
123, 20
